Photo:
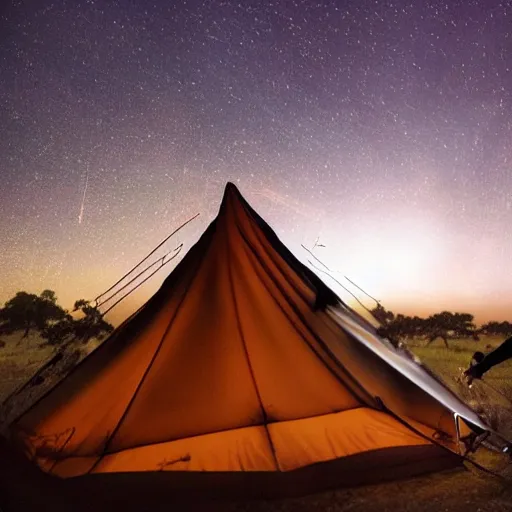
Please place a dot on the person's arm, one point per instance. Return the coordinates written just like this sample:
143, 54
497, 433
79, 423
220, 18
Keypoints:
497, 356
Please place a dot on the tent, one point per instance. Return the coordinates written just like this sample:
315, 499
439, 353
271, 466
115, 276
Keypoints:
235, 381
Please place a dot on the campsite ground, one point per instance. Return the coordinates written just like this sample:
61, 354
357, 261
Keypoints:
460, 490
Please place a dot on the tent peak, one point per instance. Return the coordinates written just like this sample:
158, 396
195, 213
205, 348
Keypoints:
231, 188
232, 195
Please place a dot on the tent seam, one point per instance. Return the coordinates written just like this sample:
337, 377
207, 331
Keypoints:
223, 430
146, 373
251, 370
330, 355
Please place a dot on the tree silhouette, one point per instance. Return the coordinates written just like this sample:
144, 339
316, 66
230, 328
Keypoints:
445, 325
436, 331
90, 325
497, 329
49, 295
27, 311
382, 315
448, 325
390, 325
410, 327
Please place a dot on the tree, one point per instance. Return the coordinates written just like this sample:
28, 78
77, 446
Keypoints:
49, 295
397, 326
59, 332
497, 329
445, 325
27, 311
90, 325
382, 315
408, 326
448, 325
390, 326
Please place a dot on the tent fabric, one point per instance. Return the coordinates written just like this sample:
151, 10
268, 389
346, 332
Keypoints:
24, 487
282, 446
232, 368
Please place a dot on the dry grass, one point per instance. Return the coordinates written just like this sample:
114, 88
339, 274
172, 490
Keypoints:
19, 359
491, 397
459, 490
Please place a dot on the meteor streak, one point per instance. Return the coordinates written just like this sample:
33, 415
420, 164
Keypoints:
81, 214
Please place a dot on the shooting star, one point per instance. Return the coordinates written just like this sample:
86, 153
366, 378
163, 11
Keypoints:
81, 214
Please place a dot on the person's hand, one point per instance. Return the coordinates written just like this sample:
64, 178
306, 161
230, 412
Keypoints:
472, 373
468, 377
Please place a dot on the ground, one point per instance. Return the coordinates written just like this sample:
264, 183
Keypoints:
458, 490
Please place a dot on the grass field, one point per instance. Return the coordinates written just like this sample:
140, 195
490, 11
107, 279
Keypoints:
491, 397
459, 490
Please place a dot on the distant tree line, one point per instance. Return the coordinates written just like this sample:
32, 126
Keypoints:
27, 312
445, 325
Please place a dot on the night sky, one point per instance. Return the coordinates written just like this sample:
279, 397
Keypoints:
383, 128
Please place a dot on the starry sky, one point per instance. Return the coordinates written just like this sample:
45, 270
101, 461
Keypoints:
383, 128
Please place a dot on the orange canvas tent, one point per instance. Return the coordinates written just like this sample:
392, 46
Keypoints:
230, 382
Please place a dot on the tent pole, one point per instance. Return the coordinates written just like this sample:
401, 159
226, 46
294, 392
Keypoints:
357, 286
146, 257
160, 260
